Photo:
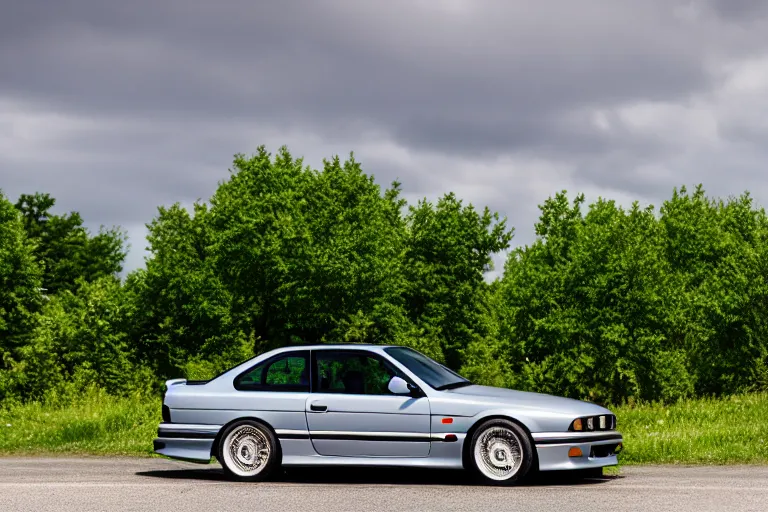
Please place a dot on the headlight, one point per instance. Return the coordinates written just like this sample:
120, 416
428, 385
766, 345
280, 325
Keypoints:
593, 423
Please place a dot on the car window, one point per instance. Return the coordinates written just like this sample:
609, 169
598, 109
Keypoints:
428, 370
352, 372
285, 372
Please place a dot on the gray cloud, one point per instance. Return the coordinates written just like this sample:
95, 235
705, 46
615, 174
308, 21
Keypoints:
740, 10
502, 70
116, 108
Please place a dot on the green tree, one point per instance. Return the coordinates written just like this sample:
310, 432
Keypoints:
282, 254
186, 314
309, 255
64, 247
20, 295
487, 359
81, 338
590, 304
448, 251
718, 251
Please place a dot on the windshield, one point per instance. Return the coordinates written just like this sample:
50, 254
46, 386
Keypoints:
428, 370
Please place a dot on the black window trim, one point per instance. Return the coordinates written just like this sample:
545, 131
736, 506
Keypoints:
313, 371
307, 354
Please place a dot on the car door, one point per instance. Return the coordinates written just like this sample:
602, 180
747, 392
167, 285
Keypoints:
352, 413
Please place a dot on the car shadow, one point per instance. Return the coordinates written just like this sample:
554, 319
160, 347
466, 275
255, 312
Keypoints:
380, 476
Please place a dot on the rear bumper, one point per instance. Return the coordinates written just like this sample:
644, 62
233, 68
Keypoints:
598, 449
186, 442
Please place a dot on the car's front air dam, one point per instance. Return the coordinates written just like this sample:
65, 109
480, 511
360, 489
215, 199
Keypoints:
576, 450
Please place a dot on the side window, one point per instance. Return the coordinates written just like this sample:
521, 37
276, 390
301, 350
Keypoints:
352, 372
285, 372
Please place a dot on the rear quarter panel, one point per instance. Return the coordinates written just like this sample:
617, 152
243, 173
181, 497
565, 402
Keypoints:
217, 403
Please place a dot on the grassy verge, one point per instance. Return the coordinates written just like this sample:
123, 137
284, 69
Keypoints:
723, 431
704, 431
94, 424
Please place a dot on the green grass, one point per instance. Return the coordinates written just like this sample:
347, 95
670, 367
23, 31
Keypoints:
712, 431
92, 424
730, 430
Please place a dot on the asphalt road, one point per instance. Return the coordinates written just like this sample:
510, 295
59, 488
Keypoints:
99, 484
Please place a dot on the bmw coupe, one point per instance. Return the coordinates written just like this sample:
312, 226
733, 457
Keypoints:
375, 405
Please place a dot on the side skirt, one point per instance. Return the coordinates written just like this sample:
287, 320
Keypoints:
445, 451
325, 460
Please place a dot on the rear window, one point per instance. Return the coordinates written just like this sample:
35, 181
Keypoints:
285, 372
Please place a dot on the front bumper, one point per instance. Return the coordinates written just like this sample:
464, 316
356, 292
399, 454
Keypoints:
598, 449
186, 442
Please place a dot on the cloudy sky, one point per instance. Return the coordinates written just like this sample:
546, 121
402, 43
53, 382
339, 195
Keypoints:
118, 107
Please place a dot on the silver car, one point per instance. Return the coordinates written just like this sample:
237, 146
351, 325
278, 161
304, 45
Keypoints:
376, 405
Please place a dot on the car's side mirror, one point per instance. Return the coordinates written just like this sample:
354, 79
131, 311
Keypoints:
398, 386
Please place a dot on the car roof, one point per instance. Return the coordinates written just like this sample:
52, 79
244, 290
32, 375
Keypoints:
335, 345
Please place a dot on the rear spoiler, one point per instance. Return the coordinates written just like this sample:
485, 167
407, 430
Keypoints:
173, 382
186, 382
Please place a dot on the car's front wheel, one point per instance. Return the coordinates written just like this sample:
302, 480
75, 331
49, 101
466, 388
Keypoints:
248, 451
501, 452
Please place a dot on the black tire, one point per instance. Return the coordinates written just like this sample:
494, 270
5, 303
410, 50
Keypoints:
503, 438
245, 441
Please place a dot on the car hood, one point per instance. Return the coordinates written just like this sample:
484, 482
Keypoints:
527, 400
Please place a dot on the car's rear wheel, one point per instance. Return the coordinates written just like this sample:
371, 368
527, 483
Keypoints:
501, 452
248, 451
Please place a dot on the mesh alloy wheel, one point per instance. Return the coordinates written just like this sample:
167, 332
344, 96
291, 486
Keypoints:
501, 451
497, 453
247, 451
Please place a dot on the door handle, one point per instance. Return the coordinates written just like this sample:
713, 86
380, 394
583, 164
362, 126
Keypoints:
318, 408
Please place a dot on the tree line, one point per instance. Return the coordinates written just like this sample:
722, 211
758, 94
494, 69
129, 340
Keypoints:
609, 304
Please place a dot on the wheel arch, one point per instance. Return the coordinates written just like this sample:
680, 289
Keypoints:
465, 450
217, 439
